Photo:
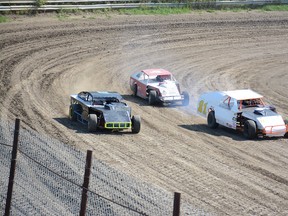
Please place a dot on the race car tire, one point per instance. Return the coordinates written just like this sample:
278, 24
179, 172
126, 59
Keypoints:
136, 124
152, 99
135, 90
286, 123
92, 122
211, 120
72, 109
185, 102
250, 129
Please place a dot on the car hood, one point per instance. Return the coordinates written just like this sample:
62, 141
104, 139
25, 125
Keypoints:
115, 112
264, 117
116, 116
167, 88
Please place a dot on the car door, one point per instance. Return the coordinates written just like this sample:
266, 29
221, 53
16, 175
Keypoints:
226, 112
140, 80
85, 97
142, 85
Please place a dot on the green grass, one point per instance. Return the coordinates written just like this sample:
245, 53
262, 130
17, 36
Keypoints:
210, 8
255, 7
3, 19
156, 10
40, 3
63, 15
275, 8
207, 8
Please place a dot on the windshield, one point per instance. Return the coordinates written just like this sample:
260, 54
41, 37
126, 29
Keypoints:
105, 100
255, 102
160, 78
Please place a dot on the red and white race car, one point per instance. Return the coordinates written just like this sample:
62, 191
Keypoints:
158, 86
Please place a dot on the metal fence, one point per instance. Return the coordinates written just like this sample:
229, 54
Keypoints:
54, 5
49, 175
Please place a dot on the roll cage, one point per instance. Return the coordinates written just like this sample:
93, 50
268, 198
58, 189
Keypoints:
254, 102
148, 78
100, 98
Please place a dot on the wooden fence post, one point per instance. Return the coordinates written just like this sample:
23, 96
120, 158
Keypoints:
86, 182
176, 207
12, 168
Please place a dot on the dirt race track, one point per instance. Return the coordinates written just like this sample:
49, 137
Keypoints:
44, 60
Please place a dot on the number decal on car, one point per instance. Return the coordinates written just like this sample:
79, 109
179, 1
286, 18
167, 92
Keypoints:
202, 107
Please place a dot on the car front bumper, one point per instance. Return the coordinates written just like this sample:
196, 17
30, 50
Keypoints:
275, 130
167, 99
117, 125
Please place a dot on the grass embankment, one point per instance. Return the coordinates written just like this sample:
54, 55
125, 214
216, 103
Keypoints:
207, 8
64, 14
275, 8
3, 19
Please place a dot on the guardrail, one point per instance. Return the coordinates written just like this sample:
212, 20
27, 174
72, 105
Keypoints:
52, 5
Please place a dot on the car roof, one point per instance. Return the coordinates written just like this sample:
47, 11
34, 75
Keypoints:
105, 94
155, 71
244, 94
100, 94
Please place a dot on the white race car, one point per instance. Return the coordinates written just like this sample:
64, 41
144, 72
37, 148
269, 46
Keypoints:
243, 110
158, 86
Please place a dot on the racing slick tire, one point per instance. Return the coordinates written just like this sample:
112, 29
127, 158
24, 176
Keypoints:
211, 120
286, 123
250, 129
136, 124
72, 109
135, 90
152, 99
185, 102
92, 122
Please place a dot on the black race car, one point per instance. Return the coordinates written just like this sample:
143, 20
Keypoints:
103, 110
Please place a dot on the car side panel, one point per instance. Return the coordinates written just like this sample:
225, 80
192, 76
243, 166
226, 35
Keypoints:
85, 111
226, 117
132, 82
207, 102
141, 86
85, 108
210, 102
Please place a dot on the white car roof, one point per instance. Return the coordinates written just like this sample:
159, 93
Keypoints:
244, 94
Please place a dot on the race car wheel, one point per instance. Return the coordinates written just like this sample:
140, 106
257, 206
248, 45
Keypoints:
250, 129
211, 120
152, 99
185, 102
72, 109
136, 124
135, 90
92, 122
